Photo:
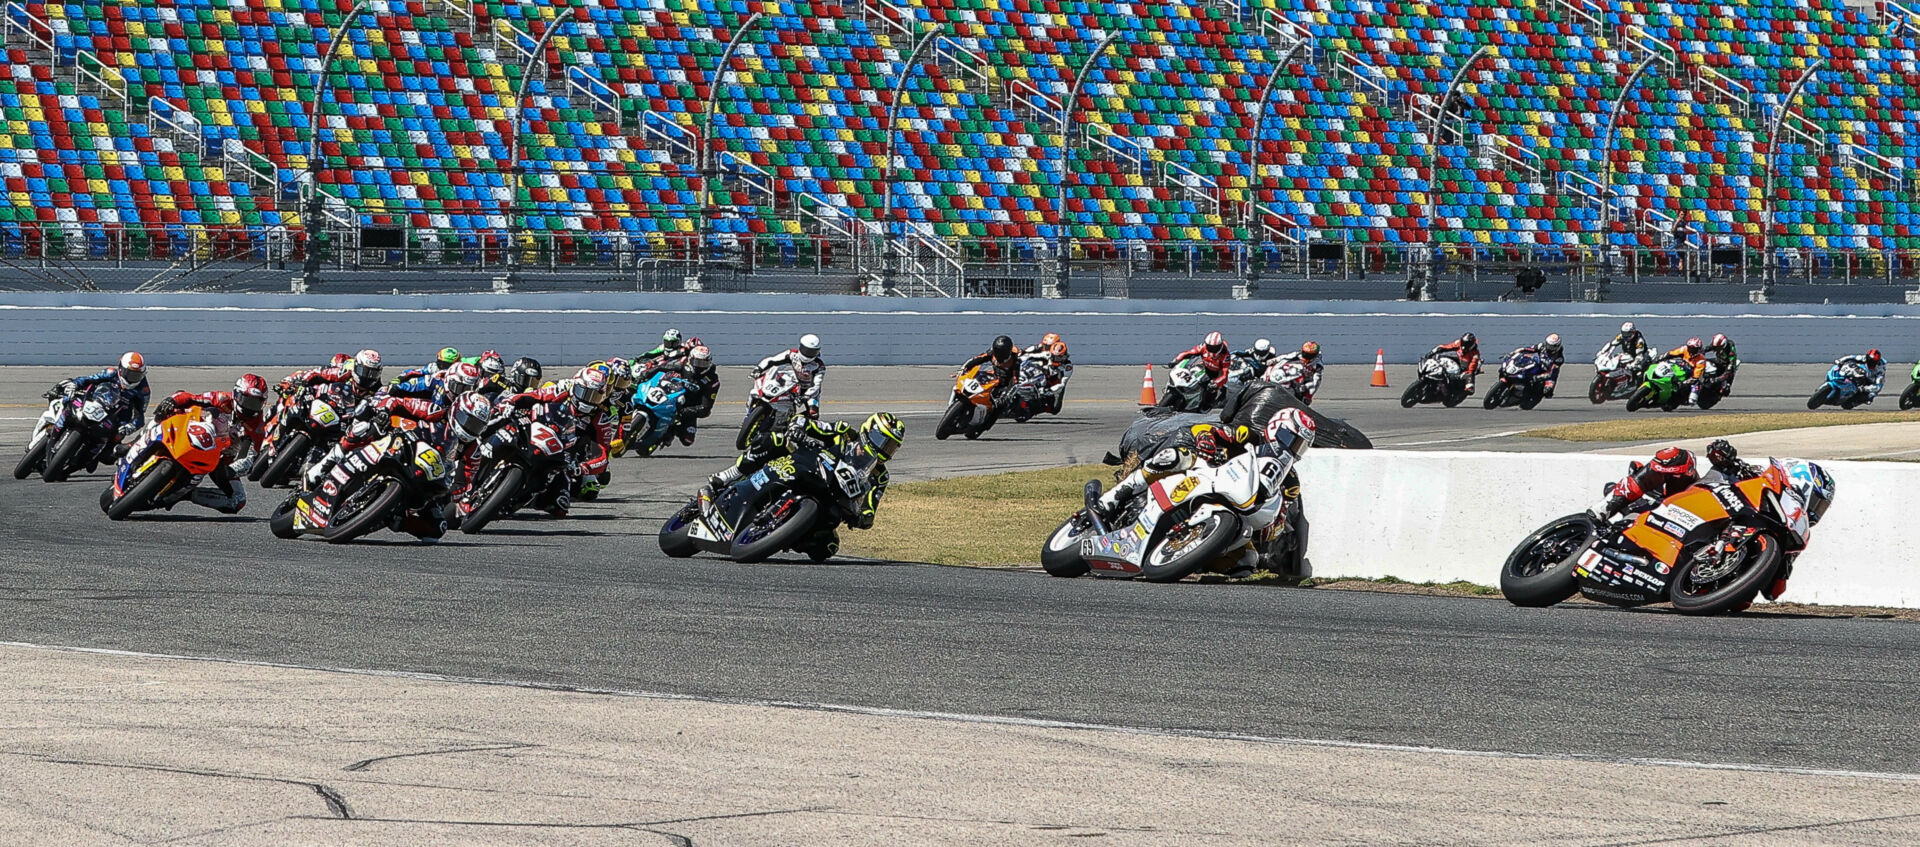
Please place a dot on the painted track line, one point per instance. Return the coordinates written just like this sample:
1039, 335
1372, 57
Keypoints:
1003, 720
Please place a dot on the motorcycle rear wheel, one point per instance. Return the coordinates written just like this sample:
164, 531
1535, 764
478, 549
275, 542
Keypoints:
1679, 396
674, 540
1218, 531
490, 508
368, 517
777, 537
143, 493
31, 462
286, 459
1733, 592
1908, 399
1531, 398
1061, 554
1454, 397
1536, 578
1709, 397
60, 465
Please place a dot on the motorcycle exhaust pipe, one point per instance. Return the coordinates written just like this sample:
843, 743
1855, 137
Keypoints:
1092, 506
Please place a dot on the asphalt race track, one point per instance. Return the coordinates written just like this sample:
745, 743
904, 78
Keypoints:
589, 601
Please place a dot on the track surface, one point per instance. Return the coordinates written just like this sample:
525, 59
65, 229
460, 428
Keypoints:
589, 601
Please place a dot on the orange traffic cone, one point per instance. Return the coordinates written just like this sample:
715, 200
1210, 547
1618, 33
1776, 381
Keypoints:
1147, 397
1380, 368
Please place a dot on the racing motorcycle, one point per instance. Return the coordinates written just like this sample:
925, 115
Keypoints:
1030, 395
160, 469
1714, 382
794, 503
652, 411
1522, 382
75, 431
523, 462
1848, 385
1616, 374
1707, 550
306, 423
970, 412
1189, 387
1292, 376
1664, 385
1911, 397
1440, 379
776, 396
1242, 370
1197, 517
394, 481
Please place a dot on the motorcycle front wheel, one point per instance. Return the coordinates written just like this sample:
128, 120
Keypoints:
1599, 392
1190, 546
1820, 397
1699, 589
954, 420
1061, 555
1410, 397
757, 417
60, 464
280, 523
1539, 572
364, 509
1639, 398
775, 527
1493, 396
1908, 399
159, 478
286, 460
507, 485
31, 461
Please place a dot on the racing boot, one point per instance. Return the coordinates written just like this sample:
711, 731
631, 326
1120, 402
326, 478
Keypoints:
1693, 396
718, 482
687, 433
1244, 567
228, 502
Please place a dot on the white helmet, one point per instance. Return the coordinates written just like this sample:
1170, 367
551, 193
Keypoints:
1291, 431
1626, 327
701, 358
1263, 346
809, 348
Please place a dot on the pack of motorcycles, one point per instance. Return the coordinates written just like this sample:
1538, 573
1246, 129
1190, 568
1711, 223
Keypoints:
1707, 550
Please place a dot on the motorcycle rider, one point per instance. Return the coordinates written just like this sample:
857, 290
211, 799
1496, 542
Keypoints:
469, 417
364, 427
1215, 357
1632, 343
1552, 353
1465, 350
879, 437
1209, 442
442, 387
446, 358
1261, 355
250, 405
356, 381
1670, 471
1005, 361
1308, 356
807, 366
227, 496
585, 399
131, 375
1876, 370
703, 387
1692, 357
672, 347
522, 376
1721, 352
1046, 343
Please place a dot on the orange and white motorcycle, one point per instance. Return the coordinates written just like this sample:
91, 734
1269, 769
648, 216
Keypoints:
166, 463
970, 413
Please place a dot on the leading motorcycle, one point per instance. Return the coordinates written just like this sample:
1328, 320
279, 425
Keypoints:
1189, 387
970, 411
1847, 386
162, 465
74, 432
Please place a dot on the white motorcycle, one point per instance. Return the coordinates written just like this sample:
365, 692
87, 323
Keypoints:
778, 394
1192, 518
1616, 374
1291, 375
1442, 379
1189, 387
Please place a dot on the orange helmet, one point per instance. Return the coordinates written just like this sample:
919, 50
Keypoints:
1047, 341
1058, 350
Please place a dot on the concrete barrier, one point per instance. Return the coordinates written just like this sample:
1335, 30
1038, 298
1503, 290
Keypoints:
225, 329
1439, 517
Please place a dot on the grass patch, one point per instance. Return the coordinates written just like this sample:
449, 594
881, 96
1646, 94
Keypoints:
995, 521
1709, 426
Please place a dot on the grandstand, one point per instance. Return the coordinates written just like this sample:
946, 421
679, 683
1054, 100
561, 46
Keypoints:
955, 147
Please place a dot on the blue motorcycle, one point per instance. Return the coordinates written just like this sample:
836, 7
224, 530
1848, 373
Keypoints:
1523, 382
653, 410
1848, 385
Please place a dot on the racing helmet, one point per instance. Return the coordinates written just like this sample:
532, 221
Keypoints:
1215, 341
366, 368
133, 370
1819, 494
222, 402
1693, 345
589, 390
1291, 431
250, 393
1551, 346
341, 360
524, 374
1873, 356
619, 374
1310, 350
1675, 462
1002, 346
1468, 341
882, 435
1058, 352
1719, 342
491, 365
670, 339
700, 358
1048, 340
1626, 328
470, 415
447, 356
462, 378
809, 348
1262, 346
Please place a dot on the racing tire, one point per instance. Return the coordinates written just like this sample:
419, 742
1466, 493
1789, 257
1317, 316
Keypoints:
757, 417
1532, 398
1410, 397
1060, 556
144, 492
1820, 397
779, 537
369, 517
1734, 593
1674, 401
286, 460
1709, 397
31, 462
1639, 398
1530, 582
281, 521
1599, 392
1454, 397
1494, 395
490, 508
1908, 399
60, 465
1219, 531
951, 421
675, 541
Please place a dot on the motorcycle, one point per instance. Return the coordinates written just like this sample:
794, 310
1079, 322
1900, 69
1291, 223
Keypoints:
161, 468
652, 412
794, 503
1847, 387
1440, 379
1714, 383
75, 431
776, 396
1182, 523
394, 481
1030, 395
1292, 376
1707, 550
1616, 374
306, 423
523, 462
970, 412
1665, 386
1189, 387
1242, 370
1911, 397
1522, 382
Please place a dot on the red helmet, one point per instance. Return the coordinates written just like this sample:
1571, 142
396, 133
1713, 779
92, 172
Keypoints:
1674, 461
250, 393
223, 401
1719, 341
340, 360
1873, 355
1216, 341
1693, 344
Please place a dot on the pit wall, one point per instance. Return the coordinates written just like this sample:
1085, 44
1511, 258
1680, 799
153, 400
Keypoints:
1441, 517
80, 328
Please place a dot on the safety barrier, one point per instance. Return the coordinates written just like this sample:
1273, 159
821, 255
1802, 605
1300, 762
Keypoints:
1439, 517
215, 329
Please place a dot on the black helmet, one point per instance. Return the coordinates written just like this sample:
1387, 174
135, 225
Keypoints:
524, 374
1002, 347
1467, 340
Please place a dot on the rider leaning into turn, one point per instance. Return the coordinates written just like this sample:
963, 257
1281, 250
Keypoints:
1214, 356
672, 348
1261, 355
585, 399
1631, 342
1308, 356
1550, 351
807, 366
703, 387
358, 379
1005, 360
878, 438
1466, 349
446, 358
1721, 352
1670, 471
131, 375
1876, 369
246, 429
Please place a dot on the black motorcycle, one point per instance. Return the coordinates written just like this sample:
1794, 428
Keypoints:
523, 462
396, 481
1441, 379
794, 503
306, 424
76, 431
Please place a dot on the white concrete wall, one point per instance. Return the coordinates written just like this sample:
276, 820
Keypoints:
1439, 517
